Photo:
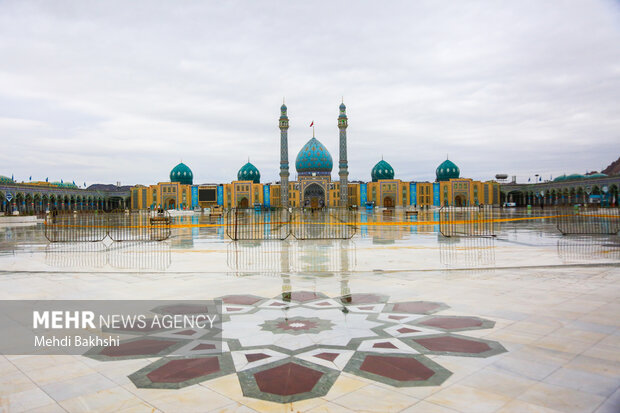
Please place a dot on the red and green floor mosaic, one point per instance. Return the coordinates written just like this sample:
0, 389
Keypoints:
294, 346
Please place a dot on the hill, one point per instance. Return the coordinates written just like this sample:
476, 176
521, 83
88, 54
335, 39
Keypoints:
613, 168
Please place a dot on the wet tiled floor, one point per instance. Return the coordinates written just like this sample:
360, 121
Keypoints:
398, 318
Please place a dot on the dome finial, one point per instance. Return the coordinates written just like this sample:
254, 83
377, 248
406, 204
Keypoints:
283, 101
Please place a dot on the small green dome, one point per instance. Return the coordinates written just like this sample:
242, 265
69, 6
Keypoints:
382, 170
314, 158
597, 176
182, 174
447, 170
5, 180
560, 178
249, 172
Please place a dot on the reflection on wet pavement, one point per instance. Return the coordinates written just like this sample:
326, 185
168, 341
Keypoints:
474, 252
384, 242
123, 256
320, 256
395, 317
588, 249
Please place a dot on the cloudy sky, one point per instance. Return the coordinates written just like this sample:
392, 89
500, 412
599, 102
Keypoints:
122, 91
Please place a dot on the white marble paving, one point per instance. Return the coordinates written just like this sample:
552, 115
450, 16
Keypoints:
555, 301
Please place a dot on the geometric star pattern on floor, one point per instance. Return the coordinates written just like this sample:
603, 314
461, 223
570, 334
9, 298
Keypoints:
294, 346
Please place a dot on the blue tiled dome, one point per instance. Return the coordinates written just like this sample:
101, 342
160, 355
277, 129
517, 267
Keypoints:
248, 172
447, 170
382, 170
314, 158
182, 174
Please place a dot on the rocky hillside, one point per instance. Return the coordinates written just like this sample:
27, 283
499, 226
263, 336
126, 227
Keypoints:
613, 168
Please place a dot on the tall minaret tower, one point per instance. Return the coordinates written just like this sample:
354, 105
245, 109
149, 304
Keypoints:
343, 164
283, 157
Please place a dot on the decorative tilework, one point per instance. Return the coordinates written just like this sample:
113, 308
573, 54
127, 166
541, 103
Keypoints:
293, 347
314, 157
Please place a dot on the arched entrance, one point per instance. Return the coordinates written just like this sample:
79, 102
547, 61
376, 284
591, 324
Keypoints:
171, 204
388, 202
459, 201
243, 203
314, 196
515, 196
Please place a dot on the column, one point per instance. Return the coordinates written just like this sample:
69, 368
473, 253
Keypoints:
284, 174
343, 164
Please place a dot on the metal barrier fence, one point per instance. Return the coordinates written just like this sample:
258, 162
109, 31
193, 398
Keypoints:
92, 226
599, 221
469, 221
279, 224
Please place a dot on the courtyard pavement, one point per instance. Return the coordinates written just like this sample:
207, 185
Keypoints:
395, 319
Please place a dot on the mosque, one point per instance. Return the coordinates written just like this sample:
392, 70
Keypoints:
314, 187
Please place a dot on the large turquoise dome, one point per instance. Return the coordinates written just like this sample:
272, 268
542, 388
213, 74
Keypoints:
447, 170
5, 180
248, 172
382, 170
314, 158
182, 174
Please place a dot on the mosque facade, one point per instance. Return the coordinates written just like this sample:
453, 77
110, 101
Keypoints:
314, 187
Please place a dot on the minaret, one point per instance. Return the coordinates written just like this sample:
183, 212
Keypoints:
343, 164
283, 157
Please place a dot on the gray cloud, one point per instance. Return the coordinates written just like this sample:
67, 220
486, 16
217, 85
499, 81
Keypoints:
107, 91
